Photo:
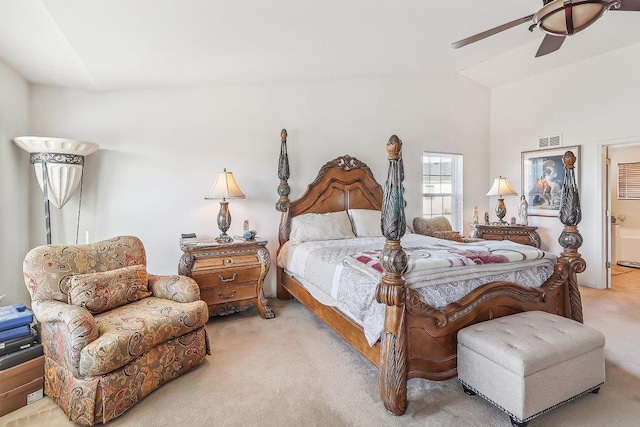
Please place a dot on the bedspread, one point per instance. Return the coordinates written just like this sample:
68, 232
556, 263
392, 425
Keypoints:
334, 277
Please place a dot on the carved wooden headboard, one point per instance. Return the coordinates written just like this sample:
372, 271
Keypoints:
342, 183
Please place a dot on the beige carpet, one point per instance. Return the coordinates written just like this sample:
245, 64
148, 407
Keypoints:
293, 371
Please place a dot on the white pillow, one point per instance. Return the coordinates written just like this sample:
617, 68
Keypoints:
329, 226
366, 222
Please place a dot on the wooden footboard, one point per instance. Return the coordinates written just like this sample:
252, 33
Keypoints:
418, 340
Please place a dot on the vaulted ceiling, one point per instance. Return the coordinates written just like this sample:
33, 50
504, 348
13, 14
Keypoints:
136, 44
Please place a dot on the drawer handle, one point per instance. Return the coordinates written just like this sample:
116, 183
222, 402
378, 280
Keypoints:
231, 295
230, 279
228, 261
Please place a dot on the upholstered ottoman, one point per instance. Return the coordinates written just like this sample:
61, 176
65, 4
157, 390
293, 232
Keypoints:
529, 363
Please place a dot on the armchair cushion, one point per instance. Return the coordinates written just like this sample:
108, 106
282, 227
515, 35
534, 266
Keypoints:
99, 292
129, 331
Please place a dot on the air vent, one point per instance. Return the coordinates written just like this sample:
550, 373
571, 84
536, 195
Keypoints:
550, 141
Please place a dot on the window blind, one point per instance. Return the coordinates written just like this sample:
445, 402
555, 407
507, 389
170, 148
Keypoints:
629, 180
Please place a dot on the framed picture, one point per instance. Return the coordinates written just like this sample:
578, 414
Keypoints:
543, 178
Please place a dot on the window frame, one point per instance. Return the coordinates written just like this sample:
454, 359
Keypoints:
456, 175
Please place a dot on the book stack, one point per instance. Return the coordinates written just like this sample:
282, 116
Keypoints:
187, 239
18, 341
21, 360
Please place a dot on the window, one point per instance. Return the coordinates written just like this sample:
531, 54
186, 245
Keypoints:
628, 181
442, 187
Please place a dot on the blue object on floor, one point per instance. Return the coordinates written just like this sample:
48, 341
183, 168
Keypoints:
9, 334
13, 317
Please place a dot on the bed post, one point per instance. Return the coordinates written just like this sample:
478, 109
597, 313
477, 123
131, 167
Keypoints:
392, 380
570, 238
282, 205
283, 173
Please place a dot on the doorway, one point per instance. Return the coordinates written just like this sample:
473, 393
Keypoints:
621, 222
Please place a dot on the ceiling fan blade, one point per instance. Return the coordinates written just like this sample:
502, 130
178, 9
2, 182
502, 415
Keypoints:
549, 44
629, 5
496, 30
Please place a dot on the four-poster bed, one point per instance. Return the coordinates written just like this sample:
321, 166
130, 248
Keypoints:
418, 340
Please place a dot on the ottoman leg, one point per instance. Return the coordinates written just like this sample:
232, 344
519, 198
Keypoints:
595, 390
515, 423
468, 391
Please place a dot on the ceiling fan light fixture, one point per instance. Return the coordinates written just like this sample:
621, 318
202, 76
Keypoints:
566, 17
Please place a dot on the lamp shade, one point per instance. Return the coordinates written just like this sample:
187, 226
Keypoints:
564, 18
501, 187
63, 158
225, 187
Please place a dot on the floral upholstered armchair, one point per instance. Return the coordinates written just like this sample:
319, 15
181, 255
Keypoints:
438, 226
111, 332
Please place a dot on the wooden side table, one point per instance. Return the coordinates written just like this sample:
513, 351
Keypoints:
527, 235
230, 275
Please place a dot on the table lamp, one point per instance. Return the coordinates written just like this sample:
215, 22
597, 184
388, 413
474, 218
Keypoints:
224, 188
501, 188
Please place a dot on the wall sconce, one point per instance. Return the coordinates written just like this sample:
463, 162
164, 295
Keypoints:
59, 166
501, 188
225, 187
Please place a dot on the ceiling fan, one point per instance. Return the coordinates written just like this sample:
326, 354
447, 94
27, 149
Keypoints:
559, 19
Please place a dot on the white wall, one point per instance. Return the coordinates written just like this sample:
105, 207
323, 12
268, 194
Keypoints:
161, 149
590, 102
14, 183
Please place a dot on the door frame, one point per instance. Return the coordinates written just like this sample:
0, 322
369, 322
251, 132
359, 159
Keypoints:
604, 202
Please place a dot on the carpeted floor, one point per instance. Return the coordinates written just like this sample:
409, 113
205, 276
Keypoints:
293, 371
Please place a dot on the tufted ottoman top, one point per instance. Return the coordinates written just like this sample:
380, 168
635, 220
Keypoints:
528, 342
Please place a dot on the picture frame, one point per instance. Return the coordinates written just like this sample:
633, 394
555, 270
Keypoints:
543, 178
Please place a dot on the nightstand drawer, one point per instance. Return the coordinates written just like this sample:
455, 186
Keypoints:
225, 276
227, 261
222, 294
523, 234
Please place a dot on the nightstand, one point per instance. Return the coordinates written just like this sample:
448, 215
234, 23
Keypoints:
527, 235
230, 275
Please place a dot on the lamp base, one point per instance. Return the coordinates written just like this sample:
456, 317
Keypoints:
501, 211
224, 238
224, 221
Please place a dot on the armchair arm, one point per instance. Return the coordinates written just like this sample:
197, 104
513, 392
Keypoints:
176, 288
447, 235
65, 330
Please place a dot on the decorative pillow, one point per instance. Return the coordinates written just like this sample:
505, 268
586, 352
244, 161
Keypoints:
366, 222
329, 226
98, 292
